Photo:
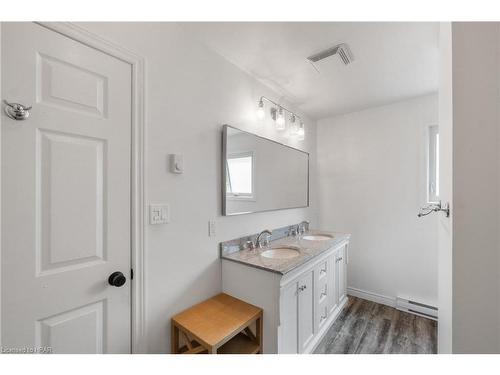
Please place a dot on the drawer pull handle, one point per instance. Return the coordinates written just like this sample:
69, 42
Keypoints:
322, 295
322, 271
323, 317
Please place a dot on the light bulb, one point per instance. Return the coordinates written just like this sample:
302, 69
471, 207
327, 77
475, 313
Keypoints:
280, 120
260, 110
301, 132
294, 126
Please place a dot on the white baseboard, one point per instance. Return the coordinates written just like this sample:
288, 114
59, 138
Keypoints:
370, 296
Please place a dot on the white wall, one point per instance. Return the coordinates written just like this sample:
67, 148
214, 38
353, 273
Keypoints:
371, 183
191, 92
475, 208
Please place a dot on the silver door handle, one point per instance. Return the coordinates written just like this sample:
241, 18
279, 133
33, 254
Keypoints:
434, 207
16, 111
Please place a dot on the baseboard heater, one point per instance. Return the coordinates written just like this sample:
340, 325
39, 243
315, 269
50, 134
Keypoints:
417, 308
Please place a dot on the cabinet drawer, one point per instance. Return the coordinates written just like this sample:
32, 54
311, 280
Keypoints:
322, 270
322, 315
322, 292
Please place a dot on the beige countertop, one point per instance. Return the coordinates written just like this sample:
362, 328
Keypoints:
308, 249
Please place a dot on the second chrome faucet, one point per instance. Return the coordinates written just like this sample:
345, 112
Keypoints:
259, 242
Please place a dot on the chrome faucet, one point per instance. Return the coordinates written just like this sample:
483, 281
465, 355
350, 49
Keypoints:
301, 227
258, 242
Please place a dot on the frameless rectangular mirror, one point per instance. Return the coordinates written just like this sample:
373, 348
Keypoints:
259, 174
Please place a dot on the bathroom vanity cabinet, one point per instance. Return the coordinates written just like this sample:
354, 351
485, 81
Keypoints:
299, 305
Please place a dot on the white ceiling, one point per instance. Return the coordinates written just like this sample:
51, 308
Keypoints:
393, 61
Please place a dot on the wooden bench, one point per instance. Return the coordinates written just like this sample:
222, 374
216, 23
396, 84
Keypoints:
219, 325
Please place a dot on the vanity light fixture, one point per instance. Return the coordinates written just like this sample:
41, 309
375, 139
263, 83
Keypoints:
278, 112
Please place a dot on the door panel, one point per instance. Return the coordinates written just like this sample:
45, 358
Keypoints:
56, 332
65, 194
342, 275
305, 310
289, 318
70, 190
340, 271
332, 284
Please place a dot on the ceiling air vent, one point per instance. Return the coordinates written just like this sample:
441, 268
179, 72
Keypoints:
342, 50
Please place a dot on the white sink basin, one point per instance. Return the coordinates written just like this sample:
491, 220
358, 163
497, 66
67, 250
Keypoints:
281, 253
317, 237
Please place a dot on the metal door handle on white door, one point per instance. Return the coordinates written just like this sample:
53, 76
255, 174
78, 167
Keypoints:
434, 207
117, 279
16, 111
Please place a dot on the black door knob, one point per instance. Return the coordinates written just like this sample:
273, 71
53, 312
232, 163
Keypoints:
117, 279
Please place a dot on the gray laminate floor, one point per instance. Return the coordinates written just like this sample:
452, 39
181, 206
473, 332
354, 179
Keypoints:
368, 327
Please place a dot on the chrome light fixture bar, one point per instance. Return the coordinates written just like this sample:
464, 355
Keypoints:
278, 115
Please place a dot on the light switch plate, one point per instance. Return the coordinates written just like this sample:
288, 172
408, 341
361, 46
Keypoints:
211, 228
159, 214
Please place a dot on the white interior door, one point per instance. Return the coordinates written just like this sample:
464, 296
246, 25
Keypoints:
65, 194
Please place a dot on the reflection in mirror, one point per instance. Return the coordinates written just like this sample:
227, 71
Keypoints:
239, 176
262, 175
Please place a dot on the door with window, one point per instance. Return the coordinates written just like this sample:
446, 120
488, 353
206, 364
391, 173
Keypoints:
65, 195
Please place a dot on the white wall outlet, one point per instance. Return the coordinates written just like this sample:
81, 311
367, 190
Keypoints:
211, 228
176, 163
159, 214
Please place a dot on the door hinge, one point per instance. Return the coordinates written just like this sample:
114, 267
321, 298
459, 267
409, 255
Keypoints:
131, 274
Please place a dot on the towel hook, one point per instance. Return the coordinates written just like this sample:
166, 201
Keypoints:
16, 111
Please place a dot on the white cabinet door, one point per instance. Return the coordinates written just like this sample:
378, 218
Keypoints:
340, 268
332, 283
288, 316
305, 310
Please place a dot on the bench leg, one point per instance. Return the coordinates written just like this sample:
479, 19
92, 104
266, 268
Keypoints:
259, 331
174, 340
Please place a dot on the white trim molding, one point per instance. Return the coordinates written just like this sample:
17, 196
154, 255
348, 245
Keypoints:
1, 127
398, 303
138, 204
370, 296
